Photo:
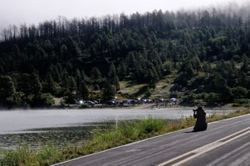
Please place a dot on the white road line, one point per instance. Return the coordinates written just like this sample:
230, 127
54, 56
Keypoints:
206, 148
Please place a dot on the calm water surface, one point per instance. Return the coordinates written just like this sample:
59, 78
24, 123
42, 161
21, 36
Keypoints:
63, 126
25, 121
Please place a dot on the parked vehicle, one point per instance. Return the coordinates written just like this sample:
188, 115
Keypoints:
89, 102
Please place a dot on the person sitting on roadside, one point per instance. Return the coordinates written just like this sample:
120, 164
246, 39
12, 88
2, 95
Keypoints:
200, 115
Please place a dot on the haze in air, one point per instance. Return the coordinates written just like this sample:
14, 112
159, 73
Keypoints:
28, 12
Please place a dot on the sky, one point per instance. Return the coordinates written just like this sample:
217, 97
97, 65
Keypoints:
16, 12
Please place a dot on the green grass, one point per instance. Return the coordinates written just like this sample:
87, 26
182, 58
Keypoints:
103, 138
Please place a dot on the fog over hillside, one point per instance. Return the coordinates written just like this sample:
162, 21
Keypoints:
34, 12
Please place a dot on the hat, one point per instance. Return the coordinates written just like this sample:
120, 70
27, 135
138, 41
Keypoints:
199, 105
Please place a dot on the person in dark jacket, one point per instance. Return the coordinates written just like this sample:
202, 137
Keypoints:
200, 115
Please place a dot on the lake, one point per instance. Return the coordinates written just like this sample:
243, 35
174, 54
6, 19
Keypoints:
26, 121
63, 126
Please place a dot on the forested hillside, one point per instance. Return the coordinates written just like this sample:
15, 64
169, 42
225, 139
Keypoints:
206, 50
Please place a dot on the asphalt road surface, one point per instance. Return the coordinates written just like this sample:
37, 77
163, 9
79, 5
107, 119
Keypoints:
225, 143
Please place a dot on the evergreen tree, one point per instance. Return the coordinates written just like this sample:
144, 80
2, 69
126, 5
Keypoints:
49, 86
206, 68
64, 53
239, 92
219, 86
139, 73
112, 70
244, 67
34, 84
108, 91
187, 68
56, 75
196, 64
15, 100
130, 61
24, 85
96, 74
122, 70
151, 79
138, 45
116, 83
152, 74
78, 77
84, 91
74, 50
72, 84
7, 88
243, 81
85, 77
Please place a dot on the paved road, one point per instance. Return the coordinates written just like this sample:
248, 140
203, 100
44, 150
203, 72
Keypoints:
225, 142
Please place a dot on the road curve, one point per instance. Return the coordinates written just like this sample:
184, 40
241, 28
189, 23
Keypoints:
226, 142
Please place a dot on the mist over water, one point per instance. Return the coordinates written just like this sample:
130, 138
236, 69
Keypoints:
30, 121
25, 120
64, 126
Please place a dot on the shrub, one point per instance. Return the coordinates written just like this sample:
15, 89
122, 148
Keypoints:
21, 156
48, 154
240, 102
151, 125
83, 106
43, 100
